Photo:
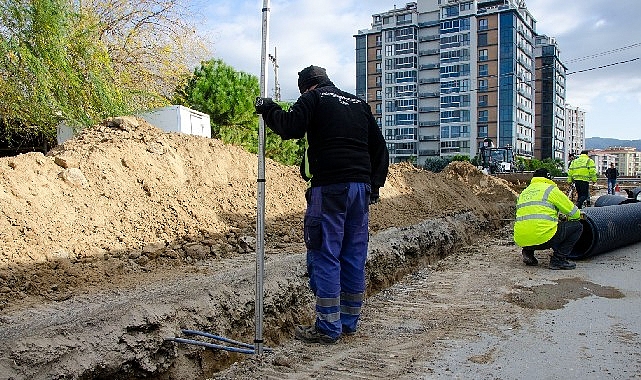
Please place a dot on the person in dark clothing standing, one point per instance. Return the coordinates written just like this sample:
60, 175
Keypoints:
346, 163
612, 173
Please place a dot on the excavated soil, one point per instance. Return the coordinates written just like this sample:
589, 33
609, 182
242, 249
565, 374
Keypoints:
123, 236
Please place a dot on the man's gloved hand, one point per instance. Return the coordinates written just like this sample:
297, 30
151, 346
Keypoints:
374, 197
263, 105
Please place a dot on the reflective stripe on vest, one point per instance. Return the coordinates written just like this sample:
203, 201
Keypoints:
544, 203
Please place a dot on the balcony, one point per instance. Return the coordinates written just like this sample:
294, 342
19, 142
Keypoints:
404, 137
429, 80
434, 37
429, 66
429, 123
424, 95
428, 52
430, 138
427, 24
429, 152
429, 109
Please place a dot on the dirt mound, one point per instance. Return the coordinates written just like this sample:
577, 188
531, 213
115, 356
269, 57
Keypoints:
124, 204
124, 198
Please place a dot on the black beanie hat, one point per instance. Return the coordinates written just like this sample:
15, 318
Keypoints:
310, 76
542, 172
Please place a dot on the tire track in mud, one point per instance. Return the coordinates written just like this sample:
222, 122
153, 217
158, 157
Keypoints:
412, 322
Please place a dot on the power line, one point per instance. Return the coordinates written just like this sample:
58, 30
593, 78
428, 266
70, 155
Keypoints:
605, 53
604, 66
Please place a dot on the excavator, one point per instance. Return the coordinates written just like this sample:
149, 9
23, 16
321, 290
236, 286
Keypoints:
496, 160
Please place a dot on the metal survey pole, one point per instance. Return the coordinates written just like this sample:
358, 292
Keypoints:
260, 219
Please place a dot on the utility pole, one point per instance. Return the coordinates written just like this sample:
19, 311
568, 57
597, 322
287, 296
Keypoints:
273, 59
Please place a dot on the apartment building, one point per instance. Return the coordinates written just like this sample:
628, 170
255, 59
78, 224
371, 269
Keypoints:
443, 75
550, 101
626, 159
575, 129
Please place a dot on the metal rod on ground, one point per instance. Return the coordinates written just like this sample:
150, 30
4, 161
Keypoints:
212, 345
260, 220
221, 338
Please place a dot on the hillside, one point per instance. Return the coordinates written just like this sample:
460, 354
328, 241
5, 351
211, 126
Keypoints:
604, 143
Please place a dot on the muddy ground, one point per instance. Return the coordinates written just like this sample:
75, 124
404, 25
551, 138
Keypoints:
123, 236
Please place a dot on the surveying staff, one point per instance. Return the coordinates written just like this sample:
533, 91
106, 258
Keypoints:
582, 171
345, 165
537, 223
612, 173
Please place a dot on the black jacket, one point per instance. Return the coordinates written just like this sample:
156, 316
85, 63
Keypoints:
345, 143
611, 173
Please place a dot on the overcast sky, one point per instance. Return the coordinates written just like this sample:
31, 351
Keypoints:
590, 34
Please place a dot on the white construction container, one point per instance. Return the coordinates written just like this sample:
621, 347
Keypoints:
169, 119
179, 119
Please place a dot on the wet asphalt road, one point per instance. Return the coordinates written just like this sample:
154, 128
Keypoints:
588, 338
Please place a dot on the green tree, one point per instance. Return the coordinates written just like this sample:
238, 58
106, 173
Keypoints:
53, 68
152, 43
228, 96
436, 164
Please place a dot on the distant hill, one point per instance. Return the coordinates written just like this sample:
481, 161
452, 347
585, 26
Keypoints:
604, 143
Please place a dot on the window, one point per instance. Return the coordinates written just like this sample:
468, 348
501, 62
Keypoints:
483, 24
378, 67
483, 116
379, 94
482, 70
482, 100
483, 55
482, 40
482, 130
378, 53
450, 11
379, 81
482, 85
466, 6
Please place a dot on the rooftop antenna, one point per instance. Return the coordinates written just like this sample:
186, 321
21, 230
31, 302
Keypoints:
274, 61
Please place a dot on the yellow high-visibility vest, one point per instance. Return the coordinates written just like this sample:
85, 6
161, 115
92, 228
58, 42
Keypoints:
537, 210
582, 169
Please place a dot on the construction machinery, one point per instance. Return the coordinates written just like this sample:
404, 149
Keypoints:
496, 160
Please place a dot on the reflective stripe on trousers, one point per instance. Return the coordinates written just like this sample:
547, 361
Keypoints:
336, 237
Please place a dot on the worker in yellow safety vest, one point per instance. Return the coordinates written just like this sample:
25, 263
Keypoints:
537, 225
582, 171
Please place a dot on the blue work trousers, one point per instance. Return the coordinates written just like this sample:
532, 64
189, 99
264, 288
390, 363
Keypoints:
612, 183
336, 236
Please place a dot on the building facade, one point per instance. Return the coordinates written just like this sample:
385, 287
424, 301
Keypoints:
626, 159
550, 101
575, 129
443, 75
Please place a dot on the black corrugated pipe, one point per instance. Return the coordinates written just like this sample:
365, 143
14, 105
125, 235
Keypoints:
611, 200
607, 228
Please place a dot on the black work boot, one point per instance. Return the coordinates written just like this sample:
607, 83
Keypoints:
528, 258
309, 334
558, 262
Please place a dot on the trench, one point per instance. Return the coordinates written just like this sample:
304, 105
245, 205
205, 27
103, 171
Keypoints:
124, 335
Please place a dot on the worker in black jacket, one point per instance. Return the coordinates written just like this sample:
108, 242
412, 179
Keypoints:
612, 174
345, 164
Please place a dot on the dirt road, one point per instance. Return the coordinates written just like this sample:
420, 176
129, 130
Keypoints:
482, 314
